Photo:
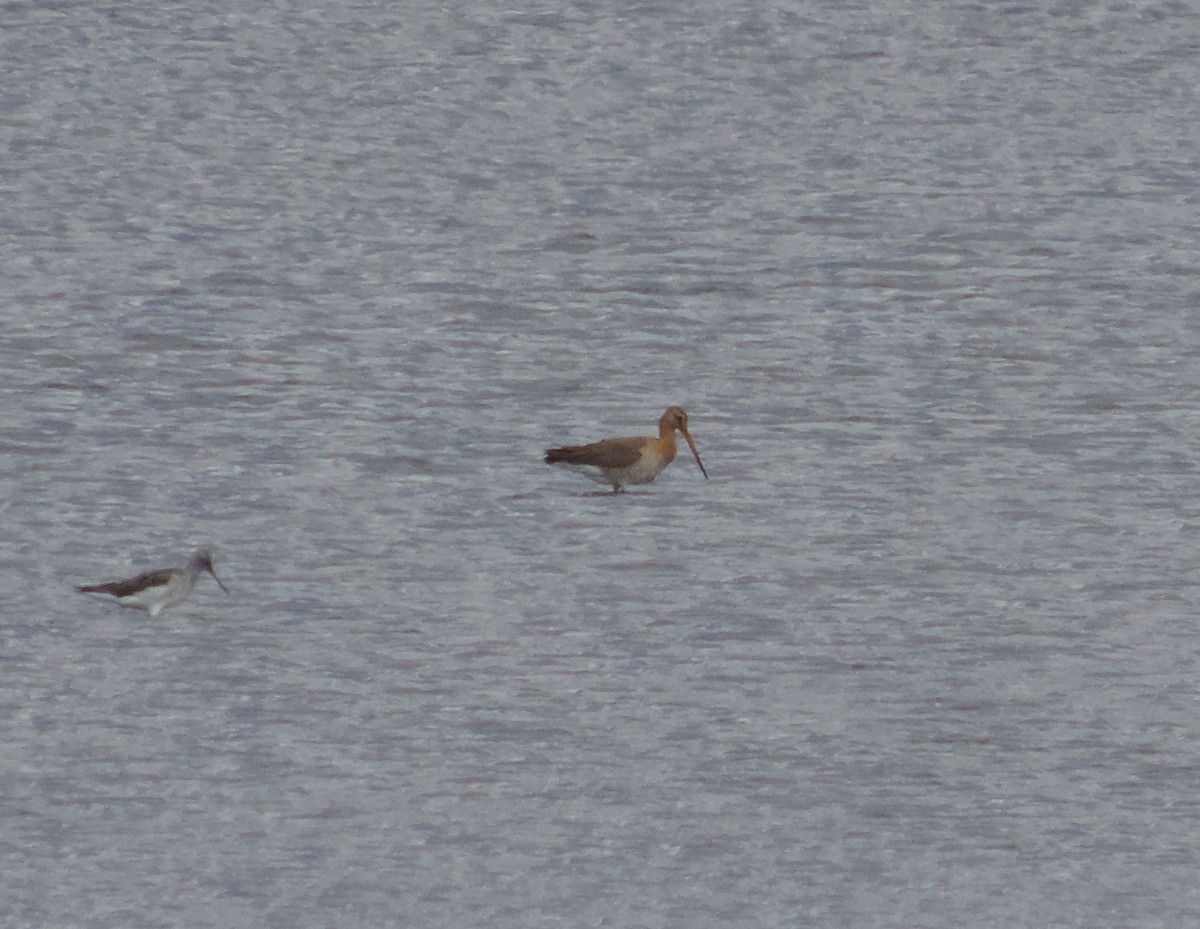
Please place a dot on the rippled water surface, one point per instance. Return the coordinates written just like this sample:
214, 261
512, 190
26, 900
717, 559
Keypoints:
317, 287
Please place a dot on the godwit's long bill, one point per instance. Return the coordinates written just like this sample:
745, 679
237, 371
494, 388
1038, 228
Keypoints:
154, 591
632, 460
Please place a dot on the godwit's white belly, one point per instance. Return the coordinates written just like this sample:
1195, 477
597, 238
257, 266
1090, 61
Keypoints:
643, 471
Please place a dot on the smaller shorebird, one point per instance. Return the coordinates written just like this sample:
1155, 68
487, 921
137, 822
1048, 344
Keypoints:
633, 460
154, 591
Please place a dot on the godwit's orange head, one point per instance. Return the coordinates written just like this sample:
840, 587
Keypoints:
676, 418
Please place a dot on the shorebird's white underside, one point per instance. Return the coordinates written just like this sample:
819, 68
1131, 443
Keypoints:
152, 599
642, 471
591, 472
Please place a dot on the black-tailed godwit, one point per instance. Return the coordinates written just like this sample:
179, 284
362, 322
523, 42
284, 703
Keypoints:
632, 460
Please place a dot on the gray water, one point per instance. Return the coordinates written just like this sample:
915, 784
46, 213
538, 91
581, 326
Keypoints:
316, 286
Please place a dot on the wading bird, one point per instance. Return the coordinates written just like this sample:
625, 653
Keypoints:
154, 591
632, 460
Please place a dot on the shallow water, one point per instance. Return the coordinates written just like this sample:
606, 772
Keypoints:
317, 287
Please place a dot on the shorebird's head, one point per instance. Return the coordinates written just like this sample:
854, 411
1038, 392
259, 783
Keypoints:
676, 418
202, 561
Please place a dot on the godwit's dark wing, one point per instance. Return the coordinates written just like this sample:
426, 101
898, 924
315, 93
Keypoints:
607, 453
124, 588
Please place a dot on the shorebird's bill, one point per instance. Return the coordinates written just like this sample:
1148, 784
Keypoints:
218, 580
692, 445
